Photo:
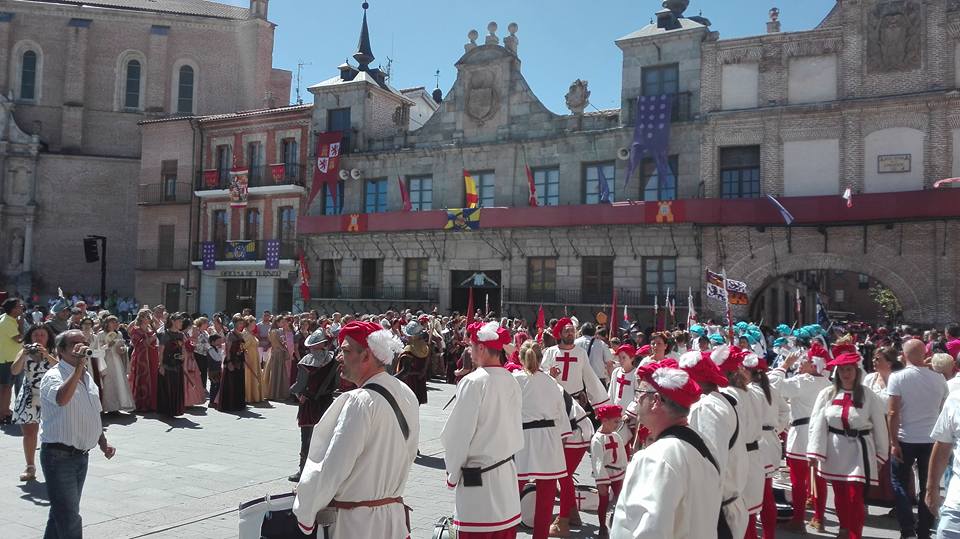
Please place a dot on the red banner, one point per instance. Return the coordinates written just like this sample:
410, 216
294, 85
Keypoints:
532, 186
211, 178
238, 188
327, 168
277, 172
404, 194
304, 279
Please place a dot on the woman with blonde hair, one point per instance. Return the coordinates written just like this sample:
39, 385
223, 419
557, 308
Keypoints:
545, 424
144, 362
116, 391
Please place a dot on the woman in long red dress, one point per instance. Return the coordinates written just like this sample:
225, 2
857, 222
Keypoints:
144, 362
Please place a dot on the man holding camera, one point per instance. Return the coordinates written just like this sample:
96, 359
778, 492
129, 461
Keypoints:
69, 428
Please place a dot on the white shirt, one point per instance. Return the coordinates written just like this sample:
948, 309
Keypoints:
953, 384
921, 393
599, 354
77, 423
947, 430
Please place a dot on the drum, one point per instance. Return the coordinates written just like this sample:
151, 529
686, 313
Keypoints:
587, 498
528, 504
443, 529
271, 517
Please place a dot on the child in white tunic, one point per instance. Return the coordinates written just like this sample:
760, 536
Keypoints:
623, 382
609, 459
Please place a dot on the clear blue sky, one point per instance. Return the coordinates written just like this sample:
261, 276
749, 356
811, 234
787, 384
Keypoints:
560, 40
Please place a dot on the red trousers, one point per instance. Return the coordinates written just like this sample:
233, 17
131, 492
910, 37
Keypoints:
851, 512
568, 498
510, 533
768, 514
546, 492
800, 490
604, 500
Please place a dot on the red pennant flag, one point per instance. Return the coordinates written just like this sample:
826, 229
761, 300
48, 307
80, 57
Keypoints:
404, 194
470, 306
304, 278
613, 316
533, 188
541, 324
327, 167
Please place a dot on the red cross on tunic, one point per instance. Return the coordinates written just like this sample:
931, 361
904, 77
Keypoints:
566, 359
846, 402
612, 446
621, 381
580, 499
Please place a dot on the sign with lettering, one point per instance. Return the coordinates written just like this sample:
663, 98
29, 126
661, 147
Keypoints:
247, 274
895, 163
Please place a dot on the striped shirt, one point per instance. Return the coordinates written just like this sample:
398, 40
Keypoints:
78, 423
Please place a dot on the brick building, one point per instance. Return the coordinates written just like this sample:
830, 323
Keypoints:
867, 100
81, 75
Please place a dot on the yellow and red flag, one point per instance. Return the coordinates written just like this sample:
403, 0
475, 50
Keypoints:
470, 184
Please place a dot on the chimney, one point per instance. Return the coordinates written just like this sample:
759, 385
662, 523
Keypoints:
258, 9
773, 26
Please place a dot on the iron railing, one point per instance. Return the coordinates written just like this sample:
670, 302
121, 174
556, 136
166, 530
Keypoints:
164, 193
374, 293
246, 250
262, 176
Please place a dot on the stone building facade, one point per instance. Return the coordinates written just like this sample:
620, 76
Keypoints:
866, 100
80, 76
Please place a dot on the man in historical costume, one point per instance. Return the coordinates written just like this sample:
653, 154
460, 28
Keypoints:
672, 487
570, 365
715, 418
317, 379
481, 437
364, 444
414, 360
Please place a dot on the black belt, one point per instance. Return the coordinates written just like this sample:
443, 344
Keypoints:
538, 424
801, 421
767, 427
849, 433
862, 436
64, 447
727, 502
613, 468
753, 446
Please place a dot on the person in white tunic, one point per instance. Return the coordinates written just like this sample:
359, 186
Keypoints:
364, 444
801, 392
848, 440
481, 437
116, 391
672, 487
608, 455
714, 417
575, 447
622, 385
545, 425
570, 365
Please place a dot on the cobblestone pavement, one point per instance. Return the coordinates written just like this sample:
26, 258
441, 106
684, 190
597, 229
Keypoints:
184, 478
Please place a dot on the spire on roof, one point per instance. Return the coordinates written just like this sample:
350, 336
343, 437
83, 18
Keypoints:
364, 55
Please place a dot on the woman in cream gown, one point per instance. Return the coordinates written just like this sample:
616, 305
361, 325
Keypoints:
277, 372
253, 377
116, 392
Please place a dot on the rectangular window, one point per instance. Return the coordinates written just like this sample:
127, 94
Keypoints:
375, 196
224, 162
415, 277
740, 172
131, 94
339, 120
541, 279
547, 183
168, 177
252, 228
592, 184
421, 192
654, 188
329, 207
255, 162
863, 281
597, 279
660, 80
28, 75
286, 224
219, 232
328, 278
291, 158
659, 274
171, 296
371, 277
166, 244
486, 187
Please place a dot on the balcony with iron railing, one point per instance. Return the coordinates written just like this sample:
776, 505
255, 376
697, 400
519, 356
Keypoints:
334, 291
246, 250
261, 176
162, 259
164, 192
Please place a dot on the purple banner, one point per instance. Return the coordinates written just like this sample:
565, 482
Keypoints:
208, 255
273, 254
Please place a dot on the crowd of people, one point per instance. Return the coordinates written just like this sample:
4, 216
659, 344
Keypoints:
685, 429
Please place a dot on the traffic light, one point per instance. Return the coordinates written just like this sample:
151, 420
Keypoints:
90, 251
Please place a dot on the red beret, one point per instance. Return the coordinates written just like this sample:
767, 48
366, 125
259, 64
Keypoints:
848, 358
671, 382
643, 351
558, 327
627, 349
847, 348
727, 358
358, 331
608, 411
490, 335
702, 369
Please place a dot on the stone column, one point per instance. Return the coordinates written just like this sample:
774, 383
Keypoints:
771, 156
27, 243
937, 158
74, 87
851, 151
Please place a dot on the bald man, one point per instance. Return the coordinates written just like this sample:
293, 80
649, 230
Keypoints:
916, 397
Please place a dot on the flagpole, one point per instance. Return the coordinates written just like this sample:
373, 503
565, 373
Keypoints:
726, 301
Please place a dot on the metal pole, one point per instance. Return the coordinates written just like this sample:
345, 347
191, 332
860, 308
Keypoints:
103, 272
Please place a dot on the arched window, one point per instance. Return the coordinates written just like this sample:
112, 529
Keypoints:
131, 95
185, 90
28, 75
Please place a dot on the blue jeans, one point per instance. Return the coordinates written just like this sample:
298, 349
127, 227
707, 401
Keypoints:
64, 473
899, 475
949, 524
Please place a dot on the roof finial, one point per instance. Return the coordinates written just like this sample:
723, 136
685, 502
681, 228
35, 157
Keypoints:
364, 55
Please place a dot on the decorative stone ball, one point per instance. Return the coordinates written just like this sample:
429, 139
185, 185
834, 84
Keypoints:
492, 27
365, 5
774, 14
512, 28
472, 35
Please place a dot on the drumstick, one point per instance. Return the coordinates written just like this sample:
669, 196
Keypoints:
813, 484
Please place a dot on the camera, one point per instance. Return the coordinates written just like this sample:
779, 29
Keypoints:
32, 348
91, 353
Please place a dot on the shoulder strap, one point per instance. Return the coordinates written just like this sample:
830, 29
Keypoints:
404, 428
690, 436
736, 414
590, 346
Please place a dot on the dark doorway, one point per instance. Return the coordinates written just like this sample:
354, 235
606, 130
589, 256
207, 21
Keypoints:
284, 295
486, 290
241, 294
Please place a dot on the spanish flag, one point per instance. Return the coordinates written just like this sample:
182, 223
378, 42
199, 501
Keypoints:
472, 198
